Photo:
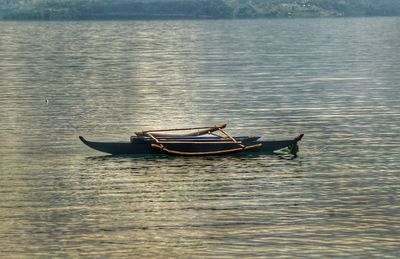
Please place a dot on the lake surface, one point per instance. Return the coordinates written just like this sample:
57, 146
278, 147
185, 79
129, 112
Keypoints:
336, 80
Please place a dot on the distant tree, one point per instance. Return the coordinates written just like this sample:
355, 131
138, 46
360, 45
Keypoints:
139, 9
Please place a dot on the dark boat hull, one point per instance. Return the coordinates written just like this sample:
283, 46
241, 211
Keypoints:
141, 147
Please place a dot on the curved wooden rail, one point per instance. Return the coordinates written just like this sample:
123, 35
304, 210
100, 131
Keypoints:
206, 153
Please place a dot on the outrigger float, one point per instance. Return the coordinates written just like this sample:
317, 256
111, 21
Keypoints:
199, 141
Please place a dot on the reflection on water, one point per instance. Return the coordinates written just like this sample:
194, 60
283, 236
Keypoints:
273, 78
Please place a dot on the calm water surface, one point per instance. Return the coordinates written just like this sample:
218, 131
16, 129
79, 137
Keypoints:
336, 80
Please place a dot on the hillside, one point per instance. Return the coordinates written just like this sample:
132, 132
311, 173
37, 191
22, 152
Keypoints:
172, 9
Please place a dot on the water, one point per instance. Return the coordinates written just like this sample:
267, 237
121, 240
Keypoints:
336, 80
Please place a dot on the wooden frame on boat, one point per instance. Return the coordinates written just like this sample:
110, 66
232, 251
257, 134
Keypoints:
200, 131
223, 139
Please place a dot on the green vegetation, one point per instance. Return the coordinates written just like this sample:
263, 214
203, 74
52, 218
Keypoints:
169, 9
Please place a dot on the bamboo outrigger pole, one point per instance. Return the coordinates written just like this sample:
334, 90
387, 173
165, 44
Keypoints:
206, 153
201, 131
232, 138
213, 128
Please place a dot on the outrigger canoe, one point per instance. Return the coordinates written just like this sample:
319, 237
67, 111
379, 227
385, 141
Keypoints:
199, 141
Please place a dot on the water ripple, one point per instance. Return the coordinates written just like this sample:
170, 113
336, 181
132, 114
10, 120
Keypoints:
274, 78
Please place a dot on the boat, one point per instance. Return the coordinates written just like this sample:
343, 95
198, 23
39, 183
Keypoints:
198, 141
